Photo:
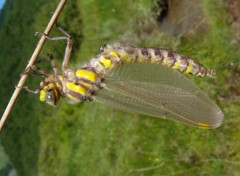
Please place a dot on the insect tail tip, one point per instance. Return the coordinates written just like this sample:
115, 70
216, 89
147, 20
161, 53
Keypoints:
211, 74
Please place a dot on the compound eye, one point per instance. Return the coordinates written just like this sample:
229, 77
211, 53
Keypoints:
50, 97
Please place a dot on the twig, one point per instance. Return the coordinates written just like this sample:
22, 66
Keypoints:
30, 63
146, 168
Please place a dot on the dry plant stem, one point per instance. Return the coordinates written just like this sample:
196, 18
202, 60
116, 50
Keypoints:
31, 61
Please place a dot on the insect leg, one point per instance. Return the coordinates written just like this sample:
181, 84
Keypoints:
68, 48
53, 64
51, 38
30, 90
36, 68
40, 70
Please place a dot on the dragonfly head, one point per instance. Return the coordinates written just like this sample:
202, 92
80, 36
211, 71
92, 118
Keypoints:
50, 91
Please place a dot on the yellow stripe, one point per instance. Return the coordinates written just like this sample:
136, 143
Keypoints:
203, 125
114, 54
176, 65
126, 58
106, 62
42, 96
90, 75
164, 61
87, 85
153, 60
71, 97
58, 85
189, 68
76, 88
50, 86
60, 78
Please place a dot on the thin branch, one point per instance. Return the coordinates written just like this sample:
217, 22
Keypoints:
146, 168
30, 63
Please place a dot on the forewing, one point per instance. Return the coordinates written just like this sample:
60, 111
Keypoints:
122, 102
119, 101
165, 90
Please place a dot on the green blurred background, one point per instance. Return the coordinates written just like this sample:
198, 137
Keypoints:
91, 139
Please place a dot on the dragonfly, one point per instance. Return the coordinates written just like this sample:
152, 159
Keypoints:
147, 80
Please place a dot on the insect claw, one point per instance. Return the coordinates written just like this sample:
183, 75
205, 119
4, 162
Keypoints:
26, 71
21, 87
17, 87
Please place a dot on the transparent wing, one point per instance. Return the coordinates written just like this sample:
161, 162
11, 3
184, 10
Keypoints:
118, 101
160, 89
122, 102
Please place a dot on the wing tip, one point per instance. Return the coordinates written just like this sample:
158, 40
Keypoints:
219, 118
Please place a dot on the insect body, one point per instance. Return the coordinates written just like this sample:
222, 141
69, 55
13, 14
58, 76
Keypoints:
142, 80
158, 56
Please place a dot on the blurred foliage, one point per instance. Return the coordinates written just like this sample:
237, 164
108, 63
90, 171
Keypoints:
90, 139
4, 162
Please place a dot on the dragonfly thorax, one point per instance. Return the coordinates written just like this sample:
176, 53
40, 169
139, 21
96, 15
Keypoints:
78, 85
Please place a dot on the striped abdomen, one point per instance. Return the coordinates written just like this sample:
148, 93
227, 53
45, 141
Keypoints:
160, 55
83, 83
80, 84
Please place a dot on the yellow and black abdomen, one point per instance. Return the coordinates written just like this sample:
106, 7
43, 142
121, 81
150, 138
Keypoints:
158, 56
81, 88
88, 79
